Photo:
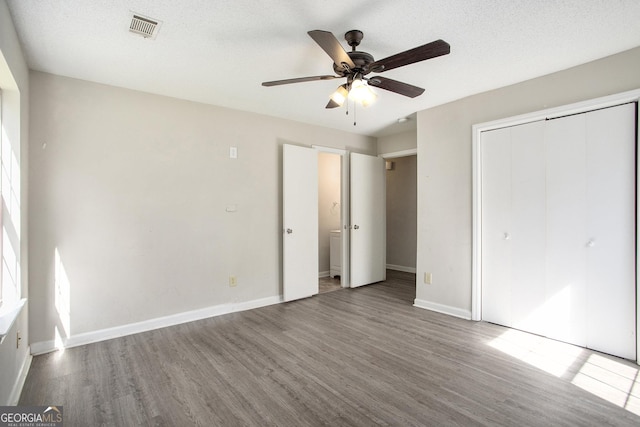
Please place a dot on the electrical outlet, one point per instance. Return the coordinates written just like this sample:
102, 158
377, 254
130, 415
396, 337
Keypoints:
427, 278
233, 281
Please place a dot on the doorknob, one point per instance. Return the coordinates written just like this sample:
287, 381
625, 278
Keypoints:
591, 243
356, 227
506, 236
289, 231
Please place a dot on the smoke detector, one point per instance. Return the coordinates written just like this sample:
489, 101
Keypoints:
144, 26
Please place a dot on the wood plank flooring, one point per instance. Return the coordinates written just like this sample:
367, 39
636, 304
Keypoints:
328, 284
353, 357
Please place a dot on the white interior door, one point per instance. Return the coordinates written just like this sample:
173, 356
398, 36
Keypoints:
300, 222
559, 228
368, 220
610, 246
513, 229
496, 226
528, 225
566, 228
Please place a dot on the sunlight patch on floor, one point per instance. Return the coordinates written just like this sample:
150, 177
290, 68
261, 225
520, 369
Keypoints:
551, 356
616, 381
610, 380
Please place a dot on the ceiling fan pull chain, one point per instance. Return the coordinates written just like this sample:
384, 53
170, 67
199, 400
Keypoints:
355, 112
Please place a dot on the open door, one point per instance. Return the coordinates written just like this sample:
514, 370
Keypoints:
368, 220
300, 222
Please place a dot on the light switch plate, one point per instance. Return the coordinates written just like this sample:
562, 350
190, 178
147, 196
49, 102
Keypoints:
233, 152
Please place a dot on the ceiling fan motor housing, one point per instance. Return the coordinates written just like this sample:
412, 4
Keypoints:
360, 59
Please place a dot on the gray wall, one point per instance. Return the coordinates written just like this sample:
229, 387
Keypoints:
444, 164
402, 213
131, 191
398, 142
14, 82
328, 194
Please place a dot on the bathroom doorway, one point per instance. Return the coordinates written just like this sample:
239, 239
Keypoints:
329, 222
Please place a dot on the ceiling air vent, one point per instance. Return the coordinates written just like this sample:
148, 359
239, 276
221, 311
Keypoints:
144, 26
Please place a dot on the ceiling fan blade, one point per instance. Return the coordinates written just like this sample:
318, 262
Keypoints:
330, 44
411, 56
396, 86
300, 80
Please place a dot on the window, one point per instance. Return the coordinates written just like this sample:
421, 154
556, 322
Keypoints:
9, 214
10, 281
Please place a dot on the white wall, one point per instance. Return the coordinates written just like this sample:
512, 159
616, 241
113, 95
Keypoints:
14, 82
131, 191
444, 166
329, 170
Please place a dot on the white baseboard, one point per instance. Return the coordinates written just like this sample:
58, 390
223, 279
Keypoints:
441, 308
151, 324
42, 347
324, 274
401, 268
14, 397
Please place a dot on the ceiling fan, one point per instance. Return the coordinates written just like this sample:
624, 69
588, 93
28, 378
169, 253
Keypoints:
355, 65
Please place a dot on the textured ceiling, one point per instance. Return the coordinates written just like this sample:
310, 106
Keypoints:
219, 52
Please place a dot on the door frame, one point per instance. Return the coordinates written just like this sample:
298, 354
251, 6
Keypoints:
477, 129
345, 277
396, 154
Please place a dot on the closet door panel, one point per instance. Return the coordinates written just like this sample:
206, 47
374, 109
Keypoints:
496, 226
611, 231
566, 228
528, 219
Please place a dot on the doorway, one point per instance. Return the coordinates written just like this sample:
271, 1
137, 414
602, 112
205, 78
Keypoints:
402, 212
329, 222
362, 198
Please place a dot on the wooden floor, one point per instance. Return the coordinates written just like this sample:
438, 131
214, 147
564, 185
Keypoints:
356, 357
328, 284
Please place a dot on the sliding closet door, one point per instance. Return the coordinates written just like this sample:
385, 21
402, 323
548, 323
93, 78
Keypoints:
566, 228
558, 229
496, 226
528, 243
513, 227
610, 245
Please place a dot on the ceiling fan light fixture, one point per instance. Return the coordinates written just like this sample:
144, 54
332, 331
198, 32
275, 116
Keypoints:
361, 92
340, 95
357, 90
369, 99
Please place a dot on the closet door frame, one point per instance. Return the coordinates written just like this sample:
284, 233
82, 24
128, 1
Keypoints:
477, 129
